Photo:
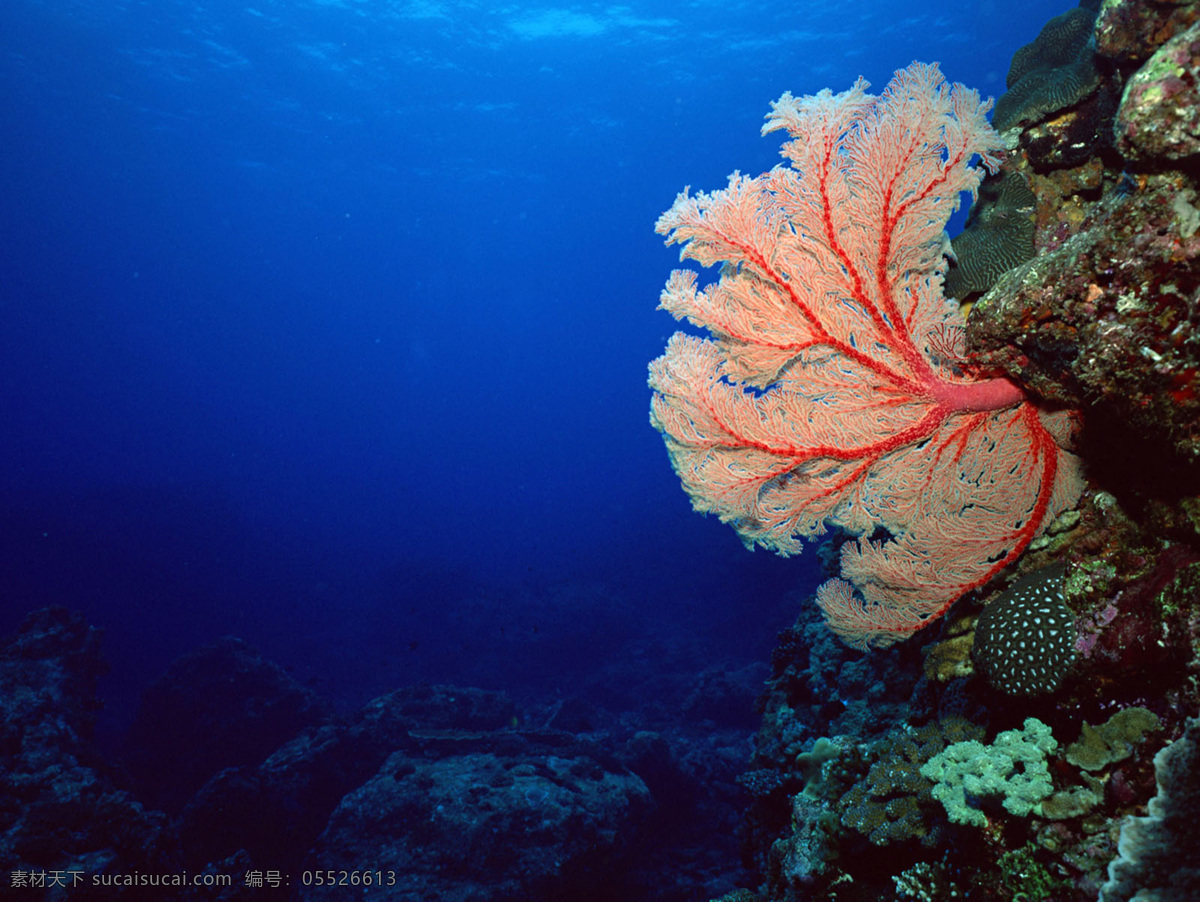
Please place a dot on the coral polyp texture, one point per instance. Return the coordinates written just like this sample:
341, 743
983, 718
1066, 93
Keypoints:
831, 391
1025, 639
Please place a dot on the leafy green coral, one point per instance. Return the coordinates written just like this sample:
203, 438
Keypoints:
1113, 740
1012, 769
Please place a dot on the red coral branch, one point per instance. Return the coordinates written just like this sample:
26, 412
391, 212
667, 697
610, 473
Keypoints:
826, 396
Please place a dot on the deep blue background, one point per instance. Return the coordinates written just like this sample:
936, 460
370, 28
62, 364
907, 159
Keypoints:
326, 323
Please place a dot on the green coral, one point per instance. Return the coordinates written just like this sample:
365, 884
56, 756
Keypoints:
740, 895
889, 804
1051, 73
811, 765
997, 237
883, 819
924, 882
1073, 802
1026, 878
1012, 769
1098, 747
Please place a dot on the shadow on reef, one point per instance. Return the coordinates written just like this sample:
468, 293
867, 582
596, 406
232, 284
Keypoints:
1138, 469
240, 778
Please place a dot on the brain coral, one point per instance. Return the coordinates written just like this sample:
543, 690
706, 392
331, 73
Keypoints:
1025, 639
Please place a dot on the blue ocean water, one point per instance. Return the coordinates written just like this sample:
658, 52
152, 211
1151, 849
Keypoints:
326, 323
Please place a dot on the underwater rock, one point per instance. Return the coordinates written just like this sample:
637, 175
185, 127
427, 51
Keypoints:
1111, 317
60, 809
1159, 117
477, 825
1129, 31
219, 706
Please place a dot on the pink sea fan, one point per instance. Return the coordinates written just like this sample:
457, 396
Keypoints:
825, 395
